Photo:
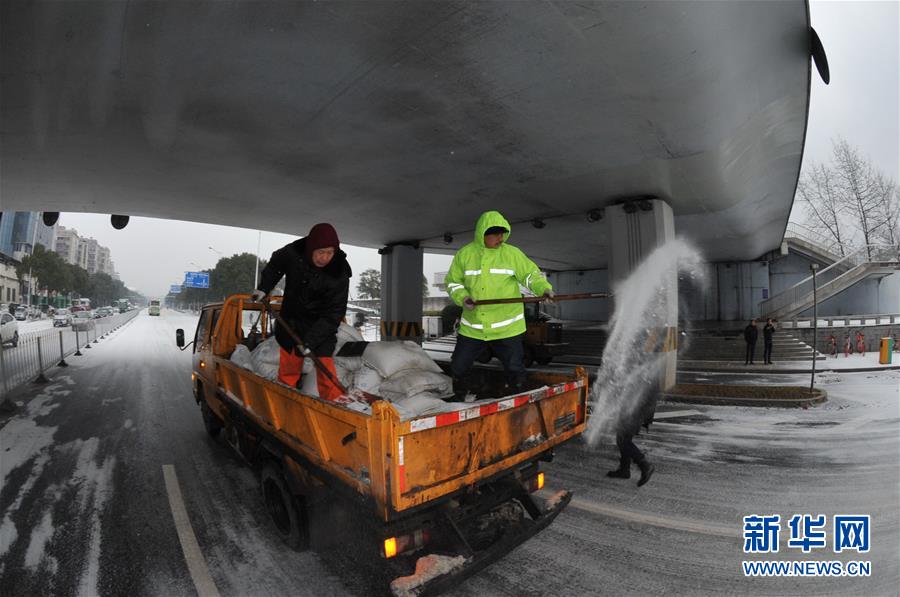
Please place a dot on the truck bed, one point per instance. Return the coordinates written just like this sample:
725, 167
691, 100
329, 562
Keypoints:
400, 466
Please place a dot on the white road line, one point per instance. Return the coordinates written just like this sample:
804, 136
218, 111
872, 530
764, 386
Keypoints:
203, 582
674, 414
689, 526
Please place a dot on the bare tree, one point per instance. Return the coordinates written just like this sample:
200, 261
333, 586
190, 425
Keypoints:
859, 189
823, 205
849, 202
888, 213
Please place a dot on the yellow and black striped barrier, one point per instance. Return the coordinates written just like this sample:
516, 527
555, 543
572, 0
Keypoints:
403, 330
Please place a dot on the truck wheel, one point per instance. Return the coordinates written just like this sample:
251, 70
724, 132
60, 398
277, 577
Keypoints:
528, 356
285, 509
210, 421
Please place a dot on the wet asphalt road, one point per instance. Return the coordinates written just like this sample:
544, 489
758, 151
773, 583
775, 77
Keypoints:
86, 512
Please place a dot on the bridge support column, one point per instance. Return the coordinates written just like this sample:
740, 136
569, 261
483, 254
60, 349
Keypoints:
636, 229
401, 293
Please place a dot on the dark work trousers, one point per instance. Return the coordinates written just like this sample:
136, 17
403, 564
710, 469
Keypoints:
628, 452
510, 351
751, 352
767, 352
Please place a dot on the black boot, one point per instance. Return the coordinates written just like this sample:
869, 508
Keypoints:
624, 470
646, 471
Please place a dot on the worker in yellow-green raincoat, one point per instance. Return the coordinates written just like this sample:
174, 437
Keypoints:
490, 268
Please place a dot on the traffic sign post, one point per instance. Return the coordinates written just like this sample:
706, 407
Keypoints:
196, 279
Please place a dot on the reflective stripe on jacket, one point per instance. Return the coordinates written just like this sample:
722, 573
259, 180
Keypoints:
484, 273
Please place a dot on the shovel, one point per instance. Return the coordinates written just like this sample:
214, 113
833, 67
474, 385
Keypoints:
370, 398
539, 299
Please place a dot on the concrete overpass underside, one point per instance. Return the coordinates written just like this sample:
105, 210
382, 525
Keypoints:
402, 121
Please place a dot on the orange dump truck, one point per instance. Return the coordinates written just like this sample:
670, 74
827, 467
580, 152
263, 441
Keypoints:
455, 487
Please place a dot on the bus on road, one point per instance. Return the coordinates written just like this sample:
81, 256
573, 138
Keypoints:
154, 307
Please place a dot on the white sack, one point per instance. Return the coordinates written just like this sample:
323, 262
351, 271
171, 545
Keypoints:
346, 333
264, 359
242, 357
411, 382
367, 380
390, 357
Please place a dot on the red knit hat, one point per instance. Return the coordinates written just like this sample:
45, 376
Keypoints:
321, 236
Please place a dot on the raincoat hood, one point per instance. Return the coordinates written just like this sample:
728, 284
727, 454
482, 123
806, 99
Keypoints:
489, 219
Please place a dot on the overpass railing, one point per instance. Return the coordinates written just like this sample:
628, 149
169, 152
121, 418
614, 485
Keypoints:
804, 233
38, 352
802, 290
842, 321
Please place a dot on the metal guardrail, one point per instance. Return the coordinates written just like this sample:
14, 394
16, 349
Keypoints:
39, 351
804, 233
843, 321
802, 290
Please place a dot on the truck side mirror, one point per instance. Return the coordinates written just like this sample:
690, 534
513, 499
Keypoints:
179, 337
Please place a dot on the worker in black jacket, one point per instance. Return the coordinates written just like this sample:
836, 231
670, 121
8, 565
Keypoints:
314, 304
628, 424
751, 333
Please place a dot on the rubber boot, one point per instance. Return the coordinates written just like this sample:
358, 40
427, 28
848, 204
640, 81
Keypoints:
646, 471
624, 470
460, 391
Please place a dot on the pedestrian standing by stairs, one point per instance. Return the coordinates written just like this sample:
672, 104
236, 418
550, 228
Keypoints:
768, 332
751, 334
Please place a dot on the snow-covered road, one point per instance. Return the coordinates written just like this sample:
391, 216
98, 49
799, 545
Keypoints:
88, 505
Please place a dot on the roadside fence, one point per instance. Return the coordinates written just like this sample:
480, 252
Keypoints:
38, 352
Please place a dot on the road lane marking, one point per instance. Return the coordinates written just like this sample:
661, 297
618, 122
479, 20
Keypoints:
203, 582
674, 414
689, 526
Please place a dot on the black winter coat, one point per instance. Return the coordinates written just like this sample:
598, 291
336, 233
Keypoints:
315, 300
751, 333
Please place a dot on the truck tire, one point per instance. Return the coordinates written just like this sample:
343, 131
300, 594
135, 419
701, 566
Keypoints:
210, 421
286, 510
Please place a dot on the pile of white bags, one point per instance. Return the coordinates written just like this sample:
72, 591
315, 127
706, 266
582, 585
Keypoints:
401, 372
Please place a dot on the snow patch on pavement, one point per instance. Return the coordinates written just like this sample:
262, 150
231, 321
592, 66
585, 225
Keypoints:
427, 568
38, 544
8, 532
95, 489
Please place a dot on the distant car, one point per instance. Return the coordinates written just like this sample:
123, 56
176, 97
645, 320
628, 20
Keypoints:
21, 313
83, 321
103, 312
62, 318
9, 330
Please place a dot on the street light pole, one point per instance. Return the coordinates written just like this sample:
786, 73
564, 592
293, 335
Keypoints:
256, 272
33, 240
812, 381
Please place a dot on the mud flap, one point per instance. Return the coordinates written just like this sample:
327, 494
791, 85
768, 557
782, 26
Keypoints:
479, 560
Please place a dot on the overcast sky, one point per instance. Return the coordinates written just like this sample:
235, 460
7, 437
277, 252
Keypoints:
862, 104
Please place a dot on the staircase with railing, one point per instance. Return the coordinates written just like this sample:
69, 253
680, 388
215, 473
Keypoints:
862, 263
809, 242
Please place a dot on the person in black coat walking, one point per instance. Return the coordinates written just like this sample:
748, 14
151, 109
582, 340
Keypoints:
315, 301
768, 332
629, 425
751, 334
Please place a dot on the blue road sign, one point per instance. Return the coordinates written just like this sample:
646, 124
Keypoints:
196, 279
175, 289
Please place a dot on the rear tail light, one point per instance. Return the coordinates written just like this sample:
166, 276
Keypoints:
405, 543
536, 483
